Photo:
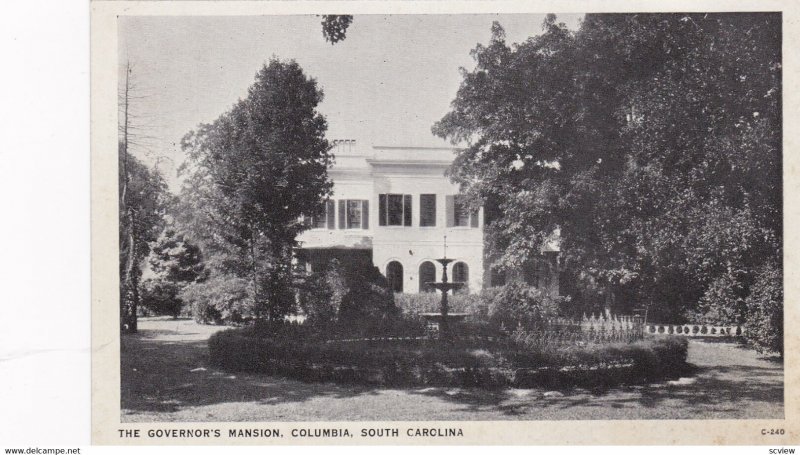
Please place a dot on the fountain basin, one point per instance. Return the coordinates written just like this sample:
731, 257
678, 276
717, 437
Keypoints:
433, 321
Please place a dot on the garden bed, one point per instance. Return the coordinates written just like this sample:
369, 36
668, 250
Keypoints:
295, 351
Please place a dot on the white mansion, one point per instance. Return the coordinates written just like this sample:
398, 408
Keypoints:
394, 206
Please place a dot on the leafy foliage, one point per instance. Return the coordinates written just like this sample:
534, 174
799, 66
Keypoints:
334, 27
351, 296
176, 262
220, 298
476, 305
518, 304
161, 297
141, 218
252, 174
175, 258
764, 327
651, 142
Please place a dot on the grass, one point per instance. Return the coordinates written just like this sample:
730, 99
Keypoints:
167, 376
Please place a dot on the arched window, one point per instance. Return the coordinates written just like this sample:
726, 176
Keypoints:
461, 273
394, 274
427, 274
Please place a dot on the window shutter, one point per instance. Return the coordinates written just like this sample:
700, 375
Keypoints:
406, 210
449, 210
342, 213
473, 219
365, 214
427, 210
382, 210
330, 212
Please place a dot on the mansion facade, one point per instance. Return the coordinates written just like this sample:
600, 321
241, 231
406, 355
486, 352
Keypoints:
394, 206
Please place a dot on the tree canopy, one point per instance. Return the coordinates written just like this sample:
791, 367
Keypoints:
651, 142
334, 27
252, 174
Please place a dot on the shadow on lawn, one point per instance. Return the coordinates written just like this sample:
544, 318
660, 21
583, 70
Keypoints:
164, 371
718, 389
161, 373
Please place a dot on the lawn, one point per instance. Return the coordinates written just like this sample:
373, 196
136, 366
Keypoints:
166, 377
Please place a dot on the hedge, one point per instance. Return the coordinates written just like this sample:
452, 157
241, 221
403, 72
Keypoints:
296, 353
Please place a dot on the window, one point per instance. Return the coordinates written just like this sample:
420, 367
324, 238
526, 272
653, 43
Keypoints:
532, 273
394, 274
427, 210
461, 275
353, 214
395, 209
458, 214
327, 219
427, 275
539, 272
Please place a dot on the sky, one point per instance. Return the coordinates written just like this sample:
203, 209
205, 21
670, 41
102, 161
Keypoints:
387, 83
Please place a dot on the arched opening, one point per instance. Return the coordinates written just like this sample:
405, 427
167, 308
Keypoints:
427, 274
394, 274
461, 275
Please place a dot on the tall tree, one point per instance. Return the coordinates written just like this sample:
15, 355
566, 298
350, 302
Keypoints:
141, 217
176, 259
143, 198
651, 141
254, 172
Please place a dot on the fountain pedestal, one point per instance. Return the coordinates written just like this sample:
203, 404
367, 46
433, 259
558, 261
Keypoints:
443, 317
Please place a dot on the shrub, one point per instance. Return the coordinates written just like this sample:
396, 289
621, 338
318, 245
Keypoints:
477, 305
723, 302
221, 298
764, 326
304, 353
519, 304
161, 297
319, 296
353, 297
513, 304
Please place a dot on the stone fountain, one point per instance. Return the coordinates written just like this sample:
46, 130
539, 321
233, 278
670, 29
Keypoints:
443, 318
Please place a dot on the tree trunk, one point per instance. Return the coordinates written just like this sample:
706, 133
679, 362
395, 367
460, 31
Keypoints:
130, 296
257, 304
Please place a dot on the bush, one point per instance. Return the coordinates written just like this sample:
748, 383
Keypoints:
511, 305
303, 353
160, 297
723, 302
764, 326
519, 304
477, 305
221, 298
355, 298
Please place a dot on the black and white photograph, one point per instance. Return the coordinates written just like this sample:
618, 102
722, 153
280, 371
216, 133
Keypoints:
444, 218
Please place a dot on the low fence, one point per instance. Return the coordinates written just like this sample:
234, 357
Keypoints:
595, 329
695, 330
